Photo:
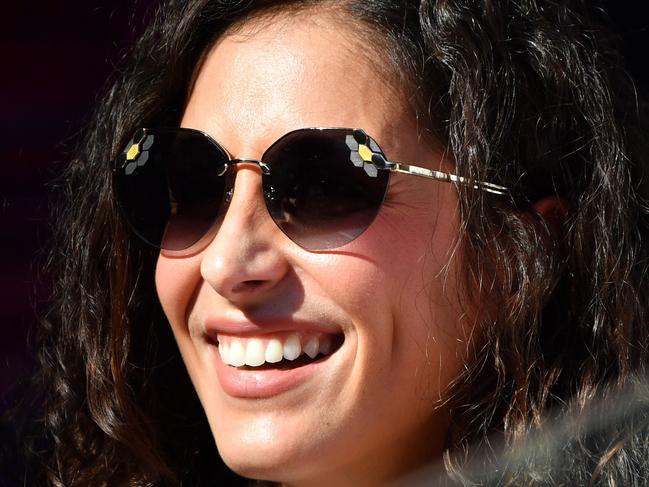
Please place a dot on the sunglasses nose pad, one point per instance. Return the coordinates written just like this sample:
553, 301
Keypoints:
228, 196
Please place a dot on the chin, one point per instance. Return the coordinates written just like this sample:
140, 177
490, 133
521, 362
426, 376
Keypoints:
278, 460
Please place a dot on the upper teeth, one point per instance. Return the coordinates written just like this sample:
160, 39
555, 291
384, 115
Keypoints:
237, 351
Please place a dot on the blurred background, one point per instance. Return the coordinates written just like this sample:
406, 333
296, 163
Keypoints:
56, 57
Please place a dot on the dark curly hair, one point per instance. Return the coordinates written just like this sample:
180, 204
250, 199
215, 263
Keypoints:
529, 94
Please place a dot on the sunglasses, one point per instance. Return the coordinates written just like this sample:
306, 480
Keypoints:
323, 187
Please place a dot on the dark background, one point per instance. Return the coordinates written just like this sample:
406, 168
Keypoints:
56, 57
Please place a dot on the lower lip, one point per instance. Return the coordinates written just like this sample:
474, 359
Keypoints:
257, 384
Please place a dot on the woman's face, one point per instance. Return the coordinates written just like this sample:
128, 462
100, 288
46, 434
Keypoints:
385, 304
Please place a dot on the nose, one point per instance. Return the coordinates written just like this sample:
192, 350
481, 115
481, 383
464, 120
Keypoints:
245, 262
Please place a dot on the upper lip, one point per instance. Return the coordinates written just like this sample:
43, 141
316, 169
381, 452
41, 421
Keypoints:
219, 325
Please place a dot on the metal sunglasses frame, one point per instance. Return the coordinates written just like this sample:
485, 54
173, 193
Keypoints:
364, 151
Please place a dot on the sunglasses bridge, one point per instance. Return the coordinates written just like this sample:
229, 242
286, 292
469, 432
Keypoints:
265, 169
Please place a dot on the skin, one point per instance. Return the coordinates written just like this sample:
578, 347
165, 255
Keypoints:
374, 411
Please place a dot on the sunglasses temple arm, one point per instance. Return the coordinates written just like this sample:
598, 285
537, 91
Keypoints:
443, 176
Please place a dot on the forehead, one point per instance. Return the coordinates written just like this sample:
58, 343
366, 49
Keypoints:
273, 75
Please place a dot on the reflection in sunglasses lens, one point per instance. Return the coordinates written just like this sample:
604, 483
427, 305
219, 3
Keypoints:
195, 189
315, 194
173, 196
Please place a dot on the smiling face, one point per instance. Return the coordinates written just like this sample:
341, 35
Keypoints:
380, 315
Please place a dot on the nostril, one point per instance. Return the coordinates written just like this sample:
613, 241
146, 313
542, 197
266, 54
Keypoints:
247, 286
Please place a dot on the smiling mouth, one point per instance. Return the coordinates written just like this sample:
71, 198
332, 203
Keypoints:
276, 351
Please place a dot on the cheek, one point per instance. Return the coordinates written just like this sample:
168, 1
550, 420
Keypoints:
419, 269
176, 282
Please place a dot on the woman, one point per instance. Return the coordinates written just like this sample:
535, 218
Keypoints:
382, 234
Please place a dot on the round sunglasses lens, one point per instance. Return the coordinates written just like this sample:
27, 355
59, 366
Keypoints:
320, 192
171, 188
